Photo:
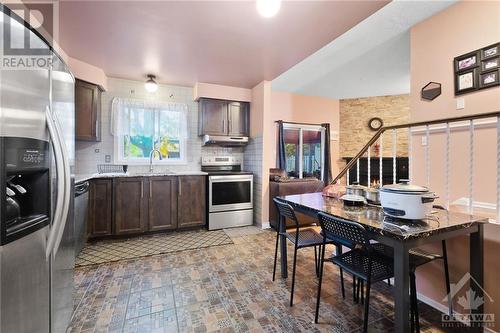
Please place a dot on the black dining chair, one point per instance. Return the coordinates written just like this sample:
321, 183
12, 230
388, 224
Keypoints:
300, 238
363, 262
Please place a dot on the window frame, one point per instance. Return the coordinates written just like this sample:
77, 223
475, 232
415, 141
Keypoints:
119, 142
301, 128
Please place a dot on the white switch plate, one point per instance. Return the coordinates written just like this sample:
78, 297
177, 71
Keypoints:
424, 141
460, 103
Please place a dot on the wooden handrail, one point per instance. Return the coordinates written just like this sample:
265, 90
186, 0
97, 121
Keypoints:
407, 125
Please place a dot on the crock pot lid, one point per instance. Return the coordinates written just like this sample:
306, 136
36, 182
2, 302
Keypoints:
353, 197
406, 188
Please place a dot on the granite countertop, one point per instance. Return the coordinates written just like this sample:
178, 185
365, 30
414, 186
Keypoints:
79, 178
374, 219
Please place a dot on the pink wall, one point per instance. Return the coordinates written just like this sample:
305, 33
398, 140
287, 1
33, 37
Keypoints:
221, 92
267, 107
84, 71
463, 27
293, 108
305, 109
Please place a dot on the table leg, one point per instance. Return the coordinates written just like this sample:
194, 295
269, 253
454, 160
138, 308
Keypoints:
401, 287
284, 267
476, 270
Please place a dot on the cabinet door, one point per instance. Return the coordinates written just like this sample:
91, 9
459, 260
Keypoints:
238, 118
213, 117
88, 111
129, 205
162, 203
191, 201
100, 208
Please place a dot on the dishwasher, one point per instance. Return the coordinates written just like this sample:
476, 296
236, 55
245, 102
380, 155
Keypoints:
81, 203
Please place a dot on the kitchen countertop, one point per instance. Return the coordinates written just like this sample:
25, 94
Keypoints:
79, 178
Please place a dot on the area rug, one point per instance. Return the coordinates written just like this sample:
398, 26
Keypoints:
115, 250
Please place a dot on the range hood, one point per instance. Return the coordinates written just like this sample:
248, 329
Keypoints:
225, 141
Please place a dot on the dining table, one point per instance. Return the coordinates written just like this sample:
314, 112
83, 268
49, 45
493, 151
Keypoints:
402, 235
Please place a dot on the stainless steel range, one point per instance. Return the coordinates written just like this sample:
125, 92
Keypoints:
230, 192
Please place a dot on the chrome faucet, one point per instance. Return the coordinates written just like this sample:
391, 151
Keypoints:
151, 156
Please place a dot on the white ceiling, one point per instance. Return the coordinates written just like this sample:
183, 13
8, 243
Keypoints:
371, 59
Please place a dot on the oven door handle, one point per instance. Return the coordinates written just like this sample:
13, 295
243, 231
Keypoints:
231, 178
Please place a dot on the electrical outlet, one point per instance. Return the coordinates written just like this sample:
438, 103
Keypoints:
460, 103
107, 158
424, 141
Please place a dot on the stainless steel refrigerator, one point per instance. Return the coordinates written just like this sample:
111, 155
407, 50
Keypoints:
37, 148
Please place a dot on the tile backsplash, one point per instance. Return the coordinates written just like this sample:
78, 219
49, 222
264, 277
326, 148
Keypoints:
90, 154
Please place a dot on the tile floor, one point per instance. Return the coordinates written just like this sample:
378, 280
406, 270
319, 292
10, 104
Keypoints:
226, 288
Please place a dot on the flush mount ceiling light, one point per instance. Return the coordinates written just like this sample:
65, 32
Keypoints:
268, 8
151, 85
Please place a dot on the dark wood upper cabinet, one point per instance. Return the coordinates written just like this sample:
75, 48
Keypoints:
213, 117
162, 203
191, 201
238, 115
100, 211
221, 117
88, 111
129, 193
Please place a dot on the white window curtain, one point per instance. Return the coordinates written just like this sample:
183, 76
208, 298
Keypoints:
152, 120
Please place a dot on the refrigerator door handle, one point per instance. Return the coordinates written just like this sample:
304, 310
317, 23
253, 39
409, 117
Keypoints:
67, 187
59, 215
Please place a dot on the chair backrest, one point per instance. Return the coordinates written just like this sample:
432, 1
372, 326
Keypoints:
285, 210
346, 232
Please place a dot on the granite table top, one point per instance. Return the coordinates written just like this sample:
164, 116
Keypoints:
375, 221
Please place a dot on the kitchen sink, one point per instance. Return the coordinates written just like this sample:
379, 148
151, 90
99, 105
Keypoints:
152, 174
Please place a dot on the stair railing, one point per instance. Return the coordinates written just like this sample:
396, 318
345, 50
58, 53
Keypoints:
377, 137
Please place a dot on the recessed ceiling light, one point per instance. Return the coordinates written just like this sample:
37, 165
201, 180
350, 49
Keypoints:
151, 85
268, 8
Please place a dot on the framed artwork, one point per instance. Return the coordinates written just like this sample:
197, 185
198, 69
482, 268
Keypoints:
489, 79
466, 81
490, 51
489, 64
467, 61
476, 70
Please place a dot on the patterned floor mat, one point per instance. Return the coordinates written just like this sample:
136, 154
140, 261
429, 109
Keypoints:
114, 250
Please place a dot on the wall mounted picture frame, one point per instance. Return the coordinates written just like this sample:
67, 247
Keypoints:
490, 51
466, 81
476, 70
489, 79
490, 64
467, 61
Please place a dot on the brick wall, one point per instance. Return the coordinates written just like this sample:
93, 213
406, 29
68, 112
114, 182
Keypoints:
355, 114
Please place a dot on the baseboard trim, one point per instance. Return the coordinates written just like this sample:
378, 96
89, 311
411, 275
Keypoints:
265, 225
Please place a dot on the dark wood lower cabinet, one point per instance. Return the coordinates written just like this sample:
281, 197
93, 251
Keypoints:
137, 205
100, 208
129, 205
191, 201
162, 203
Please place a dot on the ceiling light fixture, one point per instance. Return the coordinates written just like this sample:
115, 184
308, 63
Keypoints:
151, 85
268, 8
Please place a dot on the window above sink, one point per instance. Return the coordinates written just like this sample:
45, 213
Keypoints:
140, 126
